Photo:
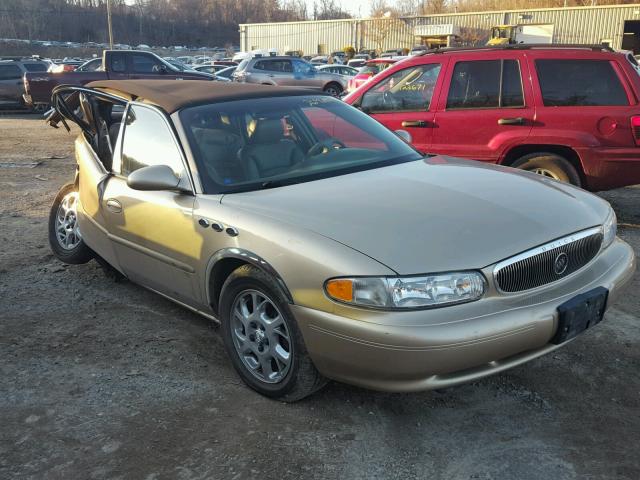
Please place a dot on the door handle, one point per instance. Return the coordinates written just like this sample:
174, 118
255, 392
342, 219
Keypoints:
511, 121
415, 123
114, 205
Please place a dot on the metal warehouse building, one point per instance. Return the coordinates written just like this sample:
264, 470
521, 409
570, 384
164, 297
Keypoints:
617, 25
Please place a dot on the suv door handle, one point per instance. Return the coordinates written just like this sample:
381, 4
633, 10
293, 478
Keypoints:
114, 205
415, 123
511, 121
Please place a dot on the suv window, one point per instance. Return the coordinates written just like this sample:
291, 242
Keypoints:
410, 89
579, 83
10, 72
485, 84
144, 64
35, 67
148, 141
274, 65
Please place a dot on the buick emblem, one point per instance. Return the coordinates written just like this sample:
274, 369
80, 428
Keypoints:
561, 263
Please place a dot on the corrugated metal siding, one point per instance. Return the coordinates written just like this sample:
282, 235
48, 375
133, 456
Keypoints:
571, 25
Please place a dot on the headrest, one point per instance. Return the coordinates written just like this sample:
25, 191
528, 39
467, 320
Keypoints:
218, 137
268, 130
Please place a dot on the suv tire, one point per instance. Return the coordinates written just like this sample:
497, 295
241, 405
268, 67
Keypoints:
64, 236
334, 89
549, 165
250, 300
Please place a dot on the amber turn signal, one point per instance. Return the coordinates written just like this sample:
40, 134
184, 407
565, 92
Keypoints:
340, 289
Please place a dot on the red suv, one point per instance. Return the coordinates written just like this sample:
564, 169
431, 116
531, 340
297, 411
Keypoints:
567, 112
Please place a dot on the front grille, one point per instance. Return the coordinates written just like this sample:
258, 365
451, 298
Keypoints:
548, 263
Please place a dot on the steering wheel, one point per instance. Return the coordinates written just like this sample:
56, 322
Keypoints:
325, 145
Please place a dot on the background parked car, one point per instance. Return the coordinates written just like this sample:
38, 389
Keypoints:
574, 119
371, 68
339, 69
11, 84
116, 65
288, 71
210, 68
225, 73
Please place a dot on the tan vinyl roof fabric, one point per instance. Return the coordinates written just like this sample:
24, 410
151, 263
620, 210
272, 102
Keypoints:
173, 95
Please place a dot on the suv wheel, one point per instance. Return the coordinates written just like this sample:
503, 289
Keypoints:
333, 89
64, 235
262, 337
549, 165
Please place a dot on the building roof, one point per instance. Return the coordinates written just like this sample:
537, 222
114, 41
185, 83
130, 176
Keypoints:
173, 95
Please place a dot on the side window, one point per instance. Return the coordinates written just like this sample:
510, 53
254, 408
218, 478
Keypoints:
35, 67
579, 83
259, 65
148, 141
302, 67
485, 84
118, 63
144, 64
10, 72
410, 89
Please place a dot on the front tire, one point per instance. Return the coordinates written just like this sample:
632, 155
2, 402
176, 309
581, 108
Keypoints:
549, 165
262, 337
65, 238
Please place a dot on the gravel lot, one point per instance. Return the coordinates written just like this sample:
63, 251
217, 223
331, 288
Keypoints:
106, 380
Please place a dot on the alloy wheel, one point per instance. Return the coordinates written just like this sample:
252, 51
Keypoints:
261, 337
67, 231
546, 173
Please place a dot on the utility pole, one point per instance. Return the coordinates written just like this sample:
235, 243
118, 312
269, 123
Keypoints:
109, 22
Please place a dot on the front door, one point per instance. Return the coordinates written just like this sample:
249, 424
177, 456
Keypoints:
483, 110
153, 232
403, 101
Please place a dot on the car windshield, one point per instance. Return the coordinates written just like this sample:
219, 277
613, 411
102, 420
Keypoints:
263, 143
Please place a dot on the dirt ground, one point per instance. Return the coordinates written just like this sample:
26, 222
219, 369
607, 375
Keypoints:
105, 380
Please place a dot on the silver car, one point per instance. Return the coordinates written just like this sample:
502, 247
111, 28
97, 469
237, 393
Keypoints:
289, 72
324, 245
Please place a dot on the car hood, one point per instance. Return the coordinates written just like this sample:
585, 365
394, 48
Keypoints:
434, 215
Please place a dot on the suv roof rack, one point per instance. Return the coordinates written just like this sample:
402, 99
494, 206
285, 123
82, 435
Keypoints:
520, 46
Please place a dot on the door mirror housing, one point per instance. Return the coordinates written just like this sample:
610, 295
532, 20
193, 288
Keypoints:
404, 135
153, 177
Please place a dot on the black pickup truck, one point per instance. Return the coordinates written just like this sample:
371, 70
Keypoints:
116, 65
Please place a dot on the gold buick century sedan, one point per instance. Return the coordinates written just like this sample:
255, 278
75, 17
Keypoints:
324, 244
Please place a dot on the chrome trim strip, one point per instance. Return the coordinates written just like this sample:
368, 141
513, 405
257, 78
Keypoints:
574, 237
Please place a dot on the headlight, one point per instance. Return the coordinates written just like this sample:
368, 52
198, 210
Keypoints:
609, 229
407, 292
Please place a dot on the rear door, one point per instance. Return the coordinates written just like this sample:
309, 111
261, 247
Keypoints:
405, 100
586, 94
485, 107
10, 83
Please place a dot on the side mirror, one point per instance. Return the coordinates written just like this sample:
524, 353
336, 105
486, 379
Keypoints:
153, 177
403, 134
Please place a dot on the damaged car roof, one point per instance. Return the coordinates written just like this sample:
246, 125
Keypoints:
172, 95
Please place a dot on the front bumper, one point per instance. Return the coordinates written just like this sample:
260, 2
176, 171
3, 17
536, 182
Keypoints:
427, 349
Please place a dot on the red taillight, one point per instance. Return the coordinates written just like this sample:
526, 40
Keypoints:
635, 129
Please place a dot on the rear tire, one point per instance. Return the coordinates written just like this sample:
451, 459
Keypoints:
333, 89
549, 165
262, 337
65, 238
